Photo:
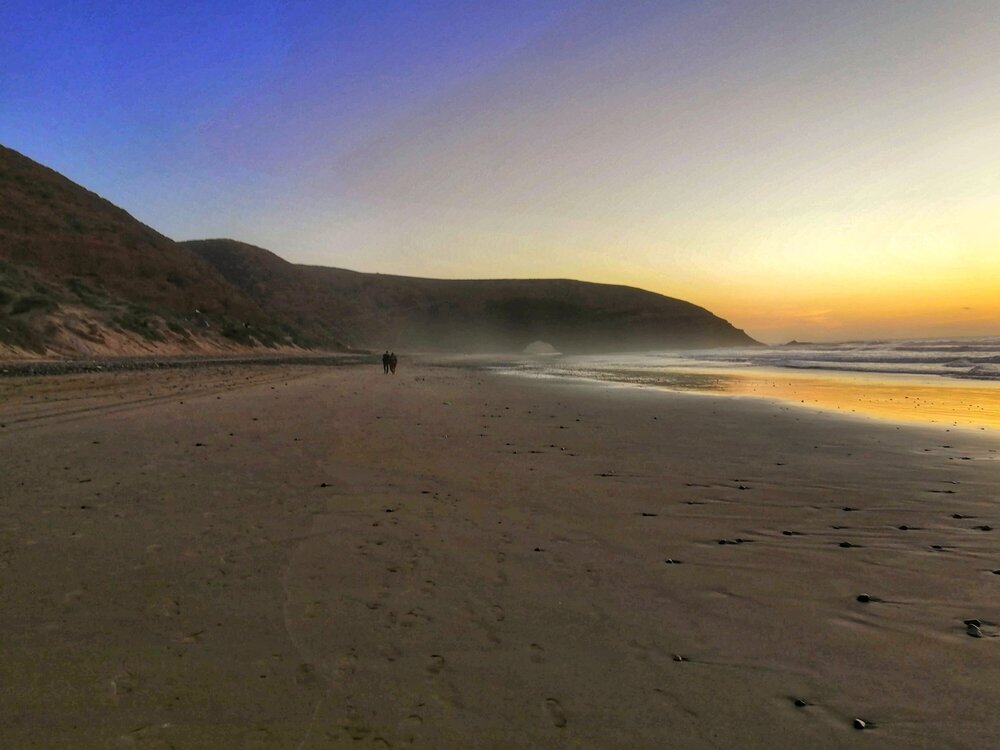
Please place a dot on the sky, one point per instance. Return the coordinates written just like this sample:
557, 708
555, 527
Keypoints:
811, 169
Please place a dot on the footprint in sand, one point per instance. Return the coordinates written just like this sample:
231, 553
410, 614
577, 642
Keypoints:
347, 664
435, 664
409, 726
498, 613
389, 651
537, 653
124, 683
555, 712
414, 616
305, 674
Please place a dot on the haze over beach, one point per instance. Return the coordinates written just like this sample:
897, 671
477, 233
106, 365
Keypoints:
687, 426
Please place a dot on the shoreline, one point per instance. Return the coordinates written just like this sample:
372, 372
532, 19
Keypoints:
920, 399
315, 557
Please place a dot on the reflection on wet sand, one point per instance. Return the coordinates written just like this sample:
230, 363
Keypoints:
896, 397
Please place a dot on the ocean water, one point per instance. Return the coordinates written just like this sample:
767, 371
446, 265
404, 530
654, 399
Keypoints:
948, 381
977, 358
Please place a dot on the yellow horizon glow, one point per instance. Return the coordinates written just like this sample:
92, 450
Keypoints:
805, 170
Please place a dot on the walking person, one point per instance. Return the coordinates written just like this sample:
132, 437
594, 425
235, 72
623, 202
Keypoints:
385, 362
392, 363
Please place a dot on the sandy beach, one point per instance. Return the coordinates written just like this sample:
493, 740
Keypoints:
322, 557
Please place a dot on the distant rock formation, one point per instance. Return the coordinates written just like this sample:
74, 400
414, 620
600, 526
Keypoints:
540, 348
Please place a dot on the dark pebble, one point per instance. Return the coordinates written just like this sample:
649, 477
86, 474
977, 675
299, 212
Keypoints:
847, 545
672, 561
864, 598
984, 527
799, 703
860, 724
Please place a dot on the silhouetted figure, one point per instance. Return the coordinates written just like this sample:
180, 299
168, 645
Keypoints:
392, 363
385, 362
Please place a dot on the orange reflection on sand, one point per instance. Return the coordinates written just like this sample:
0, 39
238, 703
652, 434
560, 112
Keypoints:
896, 397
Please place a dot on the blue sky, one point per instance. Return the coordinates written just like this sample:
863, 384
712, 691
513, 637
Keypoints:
805, 168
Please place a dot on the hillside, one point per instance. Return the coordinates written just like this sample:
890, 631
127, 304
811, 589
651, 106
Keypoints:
78, 275
378, 310
81, 277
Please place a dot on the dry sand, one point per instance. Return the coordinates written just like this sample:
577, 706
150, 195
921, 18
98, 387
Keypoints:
305, 558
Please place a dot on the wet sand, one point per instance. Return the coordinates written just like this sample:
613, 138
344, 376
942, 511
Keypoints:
305, 557
914, 399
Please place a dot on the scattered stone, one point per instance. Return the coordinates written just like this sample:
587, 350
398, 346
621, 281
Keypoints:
323, 484
672, 561
848, 545
799, 703
860, 724
678, 657
864, 598
848, 509
644, 514
984, 527
904, 527
973, 631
